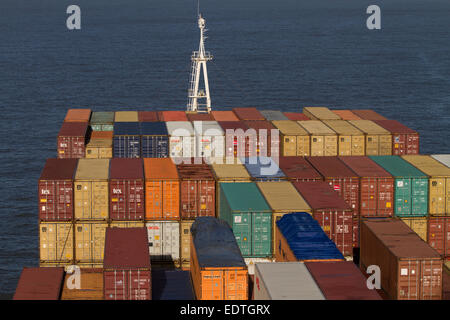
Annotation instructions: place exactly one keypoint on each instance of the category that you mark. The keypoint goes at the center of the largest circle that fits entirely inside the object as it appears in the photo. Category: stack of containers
(210, 139)
(296, 116)
(294, 139)
(267, 137)
(346, 114)
(320, 113)
(91, 213)
(368, 114)
(237, 139)
(299, 169)
(72, 138)
(148, 116)
(127, 140)
(154, 140)
(378, 140)
(323, 140)
(162, 210)
(127, 268)
(167, 116)
(181, 139)
(333, 214)
(224, 116)
(91, 285)
(404, 139)
(351, 141)
(100, 145)
(250, 217)
(272, 115)
(218, 270)
(39, 284)
(102, 121)
(263, 169)
(56, 207)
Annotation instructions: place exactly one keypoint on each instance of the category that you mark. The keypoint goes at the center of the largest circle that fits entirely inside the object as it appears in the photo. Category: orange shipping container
(162, 189)
(78, 115)
(346, 114)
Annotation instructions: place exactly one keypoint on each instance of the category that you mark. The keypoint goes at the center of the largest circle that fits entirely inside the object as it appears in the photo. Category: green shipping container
(102, 121)
(411, 186)
(245, 209)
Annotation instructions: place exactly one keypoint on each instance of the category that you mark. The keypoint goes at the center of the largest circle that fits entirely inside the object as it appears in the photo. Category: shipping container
(294, 139)
(263, 169)
(267, 137)
(167, 116)
(299, 237)
(148, 116)
(185, 243)
(164, 241)
(250, 262)
(404, 139)
(154, 140)
(243, 206)
(224, 116)
(419, 225)
(91, 192)
(127, 268)
(181, 139)
(248, 114)
(172, 285)
(351, 141)
(378, 140)
(442, 158)
(368, 114)
(78, 115)
(218, 270)
(55, 190)
(90, 242)
(438, 185)
(72, 138)
(127, 224)
(296, 116)
(410, 184)
(162, 189)
(210, 139)
(102, 121)
(323, 140)
(341, 280)
(272, 115)
(197, 191)
(376, 189)
(99, 148)
(285, 281)
(56, 242)
(340, 177)
(126, 189)
(410, 268)
(439, 235)
(199, 116)
(39, 284)
(320, 113)
(299, 169)
(91, 285)
(127, 140)
(333, 214)
(446, 286)
(346, 114)
(126, 116)
(237, 139)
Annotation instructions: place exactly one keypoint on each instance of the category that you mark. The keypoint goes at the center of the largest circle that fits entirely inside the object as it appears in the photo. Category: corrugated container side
(91, 286)
(39, 284)
(439, 235)
(320, 113)
(72, 139)
(56, 242)
(404, 139)
(185, 243)
(164, 241)
(90, 242)
(154, 140)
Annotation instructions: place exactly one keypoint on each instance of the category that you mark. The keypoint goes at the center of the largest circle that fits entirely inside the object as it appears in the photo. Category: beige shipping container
(351, 141)
(185, 243)
(99, 149)
(419, 225)
(126, 116)
(56, 242)
(91, 189)
(323, 140)
(294, 139)
(377, 139)
(439, 183)
(90, 242)
(320, 113)
(127, 224)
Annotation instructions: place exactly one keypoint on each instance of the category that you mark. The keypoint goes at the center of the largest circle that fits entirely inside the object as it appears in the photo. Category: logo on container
(373, 282)
(45, 191)
(74, 281)
(117, 191)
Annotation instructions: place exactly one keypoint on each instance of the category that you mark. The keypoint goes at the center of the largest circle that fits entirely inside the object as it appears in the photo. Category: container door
(262, 234)
(64, 242)
(162, 147)
(118, 208)
(331, 147)
(47, 239)
(78, 148)
(324, 219)
(236, 285)
(98, 242)
(83, 200)
(100, 200)
(119, 147)
(175, 146)
(92, 152)
(408, 280)
(431, 280)
(153, 198)
(402, 197)
(134, 147)
(358, 145)
(64, 147)
(171, 241)
(185, 242)
(139, 286)
(243, 232)
(189, 199)
(369, 197)
(303, 145)
(171, 200)
(437, 195)
(212, 285)
(372, 145)
(437, 234)
(385, 145)
(317, 145)
(345, 145)
(419, 205)
(289, 144)
(398, 144)
(135, 200)
(342, 231)
(385, 188)
(154, 233)
(206, 198)
(83, 237)
(116, 284)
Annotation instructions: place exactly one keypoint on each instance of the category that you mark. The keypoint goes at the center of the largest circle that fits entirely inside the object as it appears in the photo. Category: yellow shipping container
(91, 189)
(99, 149)
(185, 239)
(419, 225)
(323, 140)
(320, 113)
(377, 139)
(295, 140)
(439, 182)
(127, 224)
(351, 141)
(126, 116)
(90, 242)
(56, 242)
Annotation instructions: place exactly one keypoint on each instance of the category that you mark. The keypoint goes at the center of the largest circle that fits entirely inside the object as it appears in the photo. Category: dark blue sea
(135, 55)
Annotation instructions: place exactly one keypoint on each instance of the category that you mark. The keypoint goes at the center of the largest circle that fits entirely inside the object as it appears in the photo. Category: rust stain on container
(39, 284)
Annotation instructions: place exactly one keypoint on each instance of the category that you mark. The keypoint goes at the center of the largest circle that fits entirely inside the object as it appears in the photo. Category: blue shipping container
(171, 285)
(263, 169)
(127, 140)
(154, 140)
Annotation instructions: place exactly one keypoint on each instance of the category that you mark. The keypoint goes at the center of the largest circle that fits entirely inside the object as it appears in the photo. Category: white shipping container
(442, 158)
(181, 139)
(163, 240)
(210, 139)
(285, 281)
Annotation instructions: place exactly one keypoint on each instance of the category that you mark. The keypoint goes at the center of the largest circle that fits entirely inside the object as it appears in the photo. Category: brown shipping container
(333, 214)
(173, 116)
(197, 191)
(126, 116)
(127, 269)
(72, 139)
(185, 245)
(162, 189)
(446, 286)
(404, 139)
(298, 169)
(148, 116)
(439, 235)
(199, 116)
(126, 189)
(346, 114)
(55, 190)
(378, 140)
(376, 188)
(237, 144)
(264, 145)
(248, 114)
(39, 284)
(224, 116)
(320, 113)
(294, 139)
(368, 114)
(323, 140)
(341, 280)
(296, 116)
(410, 268)
(91, 285)
(78, 115)
(343, 180)
(351, 141)
(56, 243)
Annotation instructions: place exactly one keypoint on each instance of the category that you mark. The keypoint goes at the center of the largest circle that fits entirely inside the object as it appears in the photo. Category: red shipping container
(224, 116)
(264, 135)
(298, 169)
(197, 190)
(248, 114)
(200, 117)
(404, 139)
(343, 180)
(368, 114)
(127, 269)
(78, 115)
(55, 190)
(236, 139)
(333, 214)
(126, 189)
(173, 116)
(296, 116)
(439, 235)
(72, 139)
(355, 233)
(148, 116)
(376, 189)
(40, 284)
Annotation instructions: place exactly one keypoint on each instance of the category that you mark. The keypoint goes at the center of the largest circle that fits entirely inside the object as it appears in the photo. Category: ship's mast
(199, 100)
